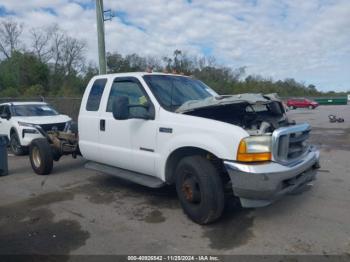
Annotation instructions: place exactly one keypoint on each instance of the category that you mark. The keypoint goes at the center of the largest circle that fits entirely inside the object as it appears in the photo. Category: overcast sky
(308, 40)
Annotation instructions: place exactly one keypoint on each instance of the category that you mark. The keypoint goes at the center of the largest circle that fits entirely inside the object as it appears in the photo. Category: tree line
(53, 63)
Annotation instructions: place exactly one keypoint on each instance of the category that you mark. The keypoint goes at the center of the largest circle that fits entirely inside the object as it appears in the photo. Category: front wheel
(40, 155)
(311, 107)
(15, 145)
(200, 189)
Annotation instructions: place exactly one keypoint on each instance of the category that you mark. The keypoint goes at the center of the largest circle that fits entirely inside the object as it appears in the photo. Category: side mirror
(139, 112)
(120, 108)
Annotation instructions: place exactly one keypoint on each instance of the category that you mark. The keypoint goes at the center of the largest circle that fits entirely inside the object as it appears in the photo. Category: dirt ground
(78, 211)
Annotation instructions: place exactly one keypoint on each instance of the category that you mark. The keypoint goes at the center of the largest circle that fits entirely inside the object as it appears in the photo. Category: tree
(54, 64)
(41, 38)
(10, 32)
(56, 47)
(115, 62)
(23, 70)
(177, 60)
(72, 58)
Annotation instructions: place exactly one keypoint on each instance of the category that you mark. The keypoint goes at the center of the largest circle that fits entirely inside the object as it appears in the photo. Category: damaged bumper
(261, 184)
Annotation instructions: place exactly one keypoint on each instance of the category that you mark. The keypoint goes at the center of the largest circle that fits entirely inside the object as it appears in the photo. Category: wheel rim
(191, 188)
(36, 157)
(15, 146)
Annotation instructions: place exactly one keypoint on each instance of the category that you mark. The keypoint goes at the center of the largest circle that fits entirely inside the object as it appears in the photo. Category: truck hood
(215, 101)
(41, 120)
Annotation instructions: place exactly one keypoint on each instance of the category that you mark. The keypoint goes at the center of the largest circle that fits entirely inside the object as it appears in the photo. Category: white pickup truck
(157, 129)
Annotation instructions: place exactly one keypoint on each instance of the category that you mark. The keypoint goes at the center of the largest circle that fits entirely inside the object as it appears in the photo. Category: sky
(308, 40)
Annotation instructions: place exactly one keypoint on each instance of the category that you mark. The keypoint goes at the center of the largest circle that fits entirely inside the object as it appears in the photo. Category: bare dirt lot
(77, 211)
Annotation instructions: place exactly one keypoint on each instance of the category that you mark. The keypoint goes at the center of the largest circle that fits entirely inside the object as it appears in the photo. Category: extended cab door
(129, 143)
(89, 120)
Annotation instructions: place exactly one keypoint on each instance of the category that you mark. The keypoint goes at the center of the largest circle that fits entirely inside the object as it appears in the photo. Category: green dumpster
(332, 101)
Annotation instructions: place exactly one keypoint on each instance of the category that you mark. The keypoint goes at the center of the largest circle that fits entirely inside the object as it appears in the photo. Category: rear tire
(40, 155)
(15, 145)
(200, 189)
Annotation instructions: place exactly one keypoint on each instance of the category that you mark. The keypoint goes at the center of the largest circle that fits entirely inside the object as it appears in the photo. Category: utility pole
(101, 37)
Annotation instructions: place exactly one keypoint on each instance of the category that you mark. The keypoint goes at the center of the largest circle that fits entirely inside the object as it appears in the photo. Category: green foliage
(34, 90)
(222, 79)
(9, 92)
(24, 74)
(21, 71)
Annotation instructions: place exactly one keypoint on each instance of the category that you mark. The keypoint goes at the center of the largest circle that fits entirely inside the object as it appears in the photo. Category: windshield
(33, 110)
(173, 91)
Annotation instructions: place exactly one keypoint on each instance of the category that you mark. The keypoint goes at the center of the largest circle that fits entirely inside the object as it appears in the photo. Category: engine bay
(256, 119)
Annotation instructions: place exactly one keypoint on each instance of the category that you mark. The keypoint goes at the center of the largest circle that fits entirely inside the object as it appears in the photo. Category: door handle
(102, 125)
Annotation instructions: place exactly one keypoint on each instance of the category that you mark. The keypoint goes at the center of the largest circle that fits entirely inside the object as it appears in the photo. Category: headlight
(24, 124)
(254, 149)
(29, 131)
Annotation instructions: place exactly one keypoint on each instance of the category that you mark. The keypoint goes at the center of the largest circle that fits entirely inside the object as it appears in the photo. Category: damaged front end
(275, 159)
(255, 113)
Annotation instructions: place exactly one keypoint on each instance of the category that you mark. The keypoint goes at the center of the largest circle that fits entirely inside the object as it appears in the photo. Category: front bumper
(259, 185)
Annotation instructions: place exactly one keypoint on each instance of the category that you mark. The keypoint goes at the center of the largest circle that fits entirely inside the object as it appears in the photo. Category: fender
(203, 141)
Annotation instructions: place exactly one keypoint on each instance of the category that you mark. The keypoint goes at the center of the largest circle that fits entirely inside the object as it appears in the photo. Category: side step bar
(137, 178)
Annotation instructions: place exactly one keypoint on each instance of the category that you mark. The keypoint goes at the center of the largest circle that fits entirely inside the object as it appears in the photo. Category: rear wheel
(200, 189)
(40, 155)
(15, 145)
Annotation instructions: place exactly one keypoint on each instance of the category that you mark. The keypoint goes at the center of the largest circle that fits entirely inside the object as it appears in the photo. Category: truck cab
(157, 129)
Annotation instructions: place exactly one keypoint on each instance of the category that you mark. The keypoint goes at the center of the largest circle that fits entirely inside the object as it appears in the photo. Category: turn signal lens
(254, 149)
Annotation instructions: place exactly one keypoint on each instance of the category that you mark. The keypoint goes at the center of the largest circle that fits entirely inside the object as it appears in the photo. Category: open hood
(256, 113)
(226, 100)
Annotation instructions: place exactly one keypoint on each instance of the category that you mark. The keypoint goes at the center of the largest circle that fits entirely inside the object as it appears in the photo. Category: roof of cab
(23, 103)
(135, 74)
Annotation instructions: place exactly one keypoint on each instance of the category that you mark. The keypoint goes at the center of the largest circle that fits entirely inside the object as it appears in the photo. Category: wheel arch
(13, 130)
(176, 155)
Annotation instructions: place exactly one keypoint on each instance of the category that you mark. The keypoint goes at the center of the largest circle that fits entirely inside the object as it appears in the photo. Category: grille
(57, 126)
(290, 143)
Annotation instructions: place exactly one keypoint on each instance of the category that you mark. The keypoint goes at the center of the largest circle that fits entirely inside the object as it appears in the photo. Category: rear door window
(94, 99)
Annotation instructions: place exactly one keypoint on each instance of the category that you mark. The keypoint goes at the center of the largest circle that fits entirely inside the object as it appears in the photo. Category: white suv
(17, 118)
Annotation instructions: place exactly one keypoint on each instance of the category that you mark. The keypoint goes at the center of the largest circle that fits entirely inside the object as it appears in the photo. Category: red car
(301, 103)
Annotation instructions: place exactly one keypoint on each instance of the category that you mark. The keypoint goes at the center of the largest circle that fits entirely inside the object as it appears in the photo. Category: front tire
(40, 155)
(200, 189)
(311, 107)
(15, 145)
